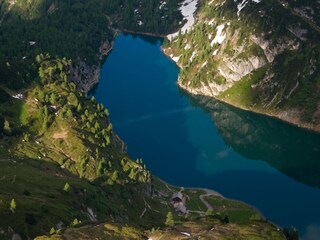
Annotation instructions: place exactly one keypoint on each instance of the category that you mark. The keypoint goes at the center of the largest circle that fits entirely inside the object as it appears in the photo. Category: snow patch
(187, 9)
(176, 59)
(219, 38)
(211, 23)
(162, 5)
(243, 4)
(204, 64)
(18, 96)
(192, 56)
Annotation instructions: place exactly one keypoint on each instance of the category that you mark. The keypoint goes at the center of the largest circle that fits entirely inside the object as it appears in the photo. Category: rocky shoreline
(291, 116)
(87, 76)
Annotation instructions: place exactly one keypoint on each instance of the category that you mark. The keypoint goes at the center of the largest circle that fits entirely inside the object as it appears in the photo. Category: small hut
(177, 197)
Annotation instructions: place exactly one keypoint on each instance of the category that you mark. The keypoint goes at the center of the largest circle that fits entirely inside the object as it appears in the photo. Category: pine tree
(69, 113)
(114, 176)
(53, 98)
(79, 108)
(169, 220)
(75, 222)
(99, 169)
(107, 138)
(13, 205)
(132, 174)
(6, 127)
(66, 187)
(52, 231)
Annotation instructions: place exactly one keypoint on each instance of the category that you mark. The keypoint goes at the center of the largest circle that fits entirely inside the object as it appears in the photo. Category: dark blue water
(200, 142)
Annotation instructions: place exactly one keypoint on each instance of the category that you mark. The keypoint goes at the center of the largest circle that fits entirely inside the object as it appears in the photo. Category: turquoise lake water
(200, 142)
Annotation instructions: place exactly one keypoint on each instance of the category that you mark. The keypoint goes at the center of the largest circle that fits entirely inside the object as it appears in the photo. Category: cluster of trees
(56, 97)
(75, 29)
(15, 74)
(148, 16)
(52, 70)
(136, 170)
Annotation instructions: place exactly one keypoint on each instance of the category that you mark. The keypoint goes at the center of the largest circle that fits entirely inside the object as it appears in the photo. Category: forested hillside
(82, 31)
(63, 28)
(257, 55)
(64, 172)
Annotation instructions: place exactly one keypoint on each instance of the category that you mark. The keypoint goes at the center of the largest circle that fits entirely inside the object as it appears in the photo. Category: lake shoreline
(143, 33)
(201, 139)
(211, 192)
(299, 124)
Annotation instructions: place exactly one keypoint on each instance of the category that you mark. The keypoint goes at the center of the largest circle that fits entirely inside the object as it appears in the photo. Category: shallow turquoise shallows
(200, 142)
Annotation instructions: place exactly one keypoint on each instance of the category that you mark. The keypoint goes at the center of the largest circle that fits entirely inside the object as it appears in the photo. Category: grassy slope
(245, 223)
(204, 227)
(241, 93)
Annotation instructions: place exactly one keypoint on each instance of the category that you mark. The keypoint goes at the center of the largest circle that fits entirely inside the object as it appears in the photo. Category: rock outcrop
(263, 57)
(86, 76)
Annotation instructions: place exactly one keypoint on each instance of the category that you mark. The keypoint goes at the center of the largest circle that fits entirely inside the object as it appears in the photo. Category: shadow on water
(152, 40)
(293, 151)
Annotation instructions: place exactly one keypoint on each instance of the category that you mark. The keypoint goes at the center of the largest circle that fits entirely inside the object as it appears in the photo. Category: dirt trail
(208, 205)
(60, 135)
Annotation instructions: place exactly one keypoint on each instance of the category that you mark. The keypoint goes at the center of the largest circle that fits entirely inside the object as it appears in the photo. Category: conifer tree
(13, 205)
(6, 127)
(66, 187)
(169, 220)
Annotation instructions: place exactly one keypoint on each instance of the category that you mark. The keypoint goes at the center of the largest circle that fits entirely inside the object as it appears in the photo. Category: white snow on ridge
(176, 59)
(243, 4)
(162, 5)
(18, 96)
(192, 56)
(204, 64)
(188, 9)
(219, 38)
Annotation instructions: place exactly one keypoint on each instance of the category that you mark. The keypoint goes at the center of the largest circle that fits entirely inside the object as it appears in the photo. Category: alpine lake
(201, 142)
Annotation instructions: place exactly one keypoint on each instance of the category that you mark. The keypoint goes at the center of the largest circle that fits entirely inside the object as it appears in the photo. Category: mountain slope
(63, 169)
(257, 55)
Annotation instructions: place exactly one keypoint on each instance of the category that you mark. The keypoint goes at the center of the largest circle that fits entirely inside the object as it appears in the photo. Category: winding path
(205, 202)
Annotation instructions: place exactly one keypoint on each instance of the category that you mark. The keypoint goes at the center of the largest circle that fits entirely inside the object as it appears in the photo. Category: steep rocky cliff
(84, 75)
(257, 55)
